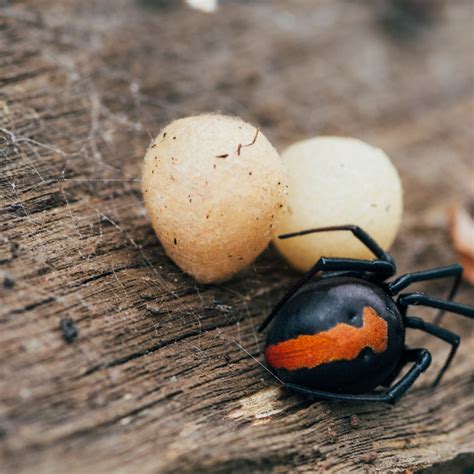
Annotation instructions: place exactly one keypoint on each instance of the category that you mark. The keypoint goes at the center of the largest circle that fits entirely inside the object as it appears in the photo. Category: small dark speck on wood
(14, 249)
(8, 283)
(69, 330)
(148, 295)
(224, 155)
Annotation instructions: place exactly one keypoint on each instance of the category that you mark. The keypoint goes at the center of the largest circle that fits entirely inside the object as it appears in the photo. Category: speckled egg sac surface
(213, 186)
(337, 181)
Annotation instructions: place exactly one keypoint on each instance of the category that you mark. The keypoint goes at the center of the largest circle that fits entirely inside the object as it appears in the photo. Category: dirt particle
(368, 458)
(68, 329)
(227, 358)
(175, 241)
(164, 134)
(147, 295)
(224, 155)
(14, 249)
(14, 208)
(154, 309)
(332, 435)
(355, 421)
(174, 138)
(8, 283)
(250, 173)
(154, 145)
(44, 269)
(240, 146)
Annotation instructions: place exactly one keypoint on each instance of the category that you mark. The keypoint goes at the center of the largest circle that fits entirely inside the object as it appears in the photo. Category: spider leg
(420, 299)
(381, 267)
(359, 233)
(441, 333)
(403, 281)
(422, 359)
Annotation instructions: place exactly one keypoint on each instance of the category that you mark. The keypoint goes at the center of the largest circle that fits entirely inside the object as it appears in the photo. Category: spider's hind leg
(441, 333)
(421, 359)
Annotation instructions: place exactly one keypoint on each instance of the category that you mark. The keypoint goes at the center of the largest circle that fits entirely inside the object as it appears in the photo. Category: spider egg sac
(213, 186)
(337, 181)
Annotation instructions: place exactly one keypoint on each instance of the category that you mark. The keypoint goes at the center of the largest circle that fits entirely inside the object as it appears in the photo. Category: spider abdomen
(340, 334)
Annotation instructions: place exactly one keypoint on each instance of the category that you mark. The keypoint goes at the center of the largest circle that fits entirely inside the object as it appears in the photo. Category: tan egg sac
(213, 186)
(337, 181)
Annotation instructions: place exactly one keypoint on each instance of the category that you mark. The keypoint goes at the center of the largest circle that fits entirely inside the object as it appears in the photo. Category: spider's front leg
(419, 299)
(451, 271)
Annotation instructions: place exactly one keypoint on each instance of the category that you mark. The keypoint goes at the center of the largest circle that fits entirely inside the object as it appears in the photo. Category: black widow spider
(343, 335)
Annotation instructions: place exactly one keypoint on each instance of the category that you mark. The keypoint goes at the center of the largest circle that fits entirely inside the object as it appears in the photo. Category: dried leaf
(461, 226)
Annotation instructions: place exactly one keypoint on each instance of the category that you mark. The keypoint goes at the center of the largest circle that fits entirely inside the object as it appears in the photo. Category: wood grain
(166, 375)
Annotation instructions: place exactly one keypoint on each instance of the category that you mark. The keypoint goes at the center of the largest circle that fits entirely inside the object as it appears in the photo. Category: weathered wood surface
(165, 375)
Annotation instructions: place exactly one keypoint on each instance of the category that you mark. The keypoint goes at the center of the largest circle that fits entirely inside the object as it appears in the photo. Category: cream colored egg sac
(213, 186)
(337, 181)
